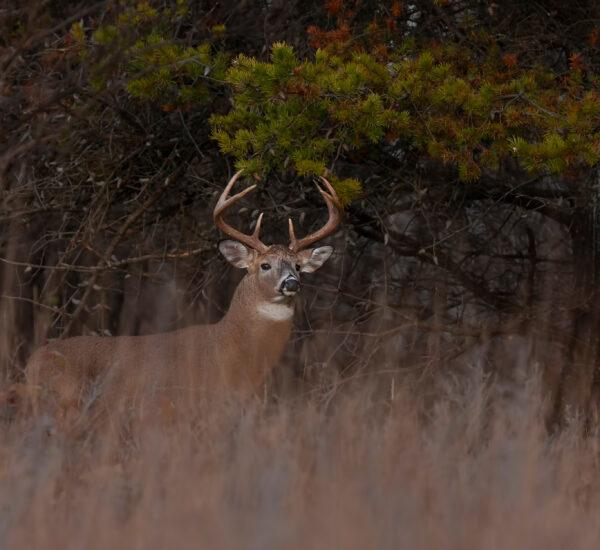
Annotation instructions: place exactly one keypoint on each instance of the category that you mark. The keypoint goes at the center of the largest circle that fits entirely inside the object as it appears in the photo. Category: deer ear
(236, 253)
(313, 258)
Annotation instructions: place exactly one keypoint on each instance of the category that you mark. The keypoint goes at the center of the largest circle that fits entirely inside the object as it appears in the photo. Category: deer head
(275, 270)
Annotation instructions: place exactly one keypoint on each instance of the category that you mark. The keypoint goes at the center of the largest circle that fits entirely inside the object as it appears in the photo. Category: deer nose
(291, 284)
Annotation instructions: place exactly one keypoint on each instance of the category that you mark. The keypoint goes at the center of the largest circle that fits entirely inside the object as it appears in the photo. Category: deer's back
(109, 368)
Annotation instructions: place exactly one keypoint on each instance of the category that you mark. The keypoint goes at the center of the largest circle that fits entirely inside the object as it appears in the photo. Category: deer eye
(265, 267)
(297, 267)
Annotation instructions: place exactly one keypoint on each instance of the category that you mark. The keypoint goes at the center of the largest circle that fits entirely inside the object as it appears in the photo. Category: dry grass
(474, 467)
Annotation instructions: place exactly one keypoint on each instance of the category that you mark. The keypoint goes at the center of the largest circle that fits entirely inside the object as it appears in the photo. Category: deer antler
(334, 208)
(223, 203)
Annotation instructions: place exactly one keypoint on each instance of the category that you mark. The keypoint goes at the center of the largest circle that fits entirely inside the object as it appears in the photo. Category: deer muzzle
(290, 286)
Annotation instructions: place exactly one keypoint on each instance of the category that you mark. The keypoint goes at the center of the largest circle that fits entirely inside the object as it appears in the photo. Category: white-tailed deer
(232, 356)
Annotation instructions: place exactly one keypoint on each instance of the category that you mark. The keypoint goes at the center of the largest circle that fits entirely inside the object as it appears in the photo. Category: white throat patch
(275, 311)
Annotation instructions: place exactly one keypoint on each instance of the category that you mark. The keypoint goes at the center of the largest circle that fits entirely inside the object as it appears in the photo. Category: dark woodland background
(106, 208)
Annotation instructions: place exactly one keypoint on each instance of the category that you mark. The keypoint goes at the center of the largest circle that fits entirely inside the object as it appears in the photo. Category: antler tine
(225, 202)
(257, 228)
(334, 208)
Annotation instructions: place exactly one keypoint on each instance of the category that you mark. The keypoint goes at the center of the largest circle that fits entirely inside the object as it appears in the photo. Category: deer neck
(257, 331)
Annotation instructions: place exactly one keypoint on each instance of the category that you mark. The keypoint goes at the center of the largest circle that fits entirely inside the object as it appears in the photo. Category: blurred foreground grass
(472, 467)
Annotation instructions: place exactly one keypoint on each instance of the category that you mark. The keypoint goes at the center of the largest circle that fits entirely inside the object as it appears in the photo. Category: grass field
(471, 466)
